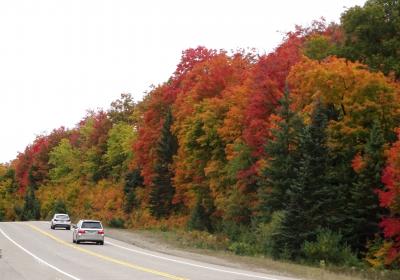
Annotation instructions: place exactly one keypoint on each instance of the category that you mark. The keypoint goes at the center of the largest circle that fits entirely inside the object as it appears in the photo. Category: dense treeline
(294, 154)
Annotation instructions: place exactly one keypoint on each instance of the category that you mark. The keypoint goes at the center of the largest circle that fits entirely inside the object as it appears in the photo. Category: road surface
(31, 250)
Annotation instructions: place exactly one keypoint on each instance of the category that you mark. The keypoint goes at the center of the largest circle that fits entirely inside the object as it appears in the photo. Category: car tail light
(81, 231)
(101, 231)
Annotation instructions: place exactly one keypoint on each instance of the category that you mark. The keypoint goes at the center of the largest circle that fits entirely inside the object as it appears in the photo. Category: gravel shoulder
(158, 241)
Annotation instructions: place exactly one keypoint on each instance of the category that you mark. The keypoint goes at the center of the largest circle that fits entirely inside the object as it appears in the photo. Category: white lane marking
(37, 258)
(195, 265)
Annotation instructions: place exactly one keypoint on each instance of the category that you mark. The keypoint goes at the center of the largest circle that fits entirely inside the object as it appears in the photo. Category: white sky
(60, 58)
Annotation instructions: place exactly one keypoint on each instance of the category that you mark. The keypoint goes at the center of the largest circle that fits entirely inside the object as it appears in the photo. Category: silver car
(88, 230)
(60, 220)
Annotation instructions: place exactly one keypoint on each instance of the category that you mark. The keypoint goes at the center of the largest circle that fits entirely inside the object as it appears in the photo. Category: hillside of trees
(294, 154)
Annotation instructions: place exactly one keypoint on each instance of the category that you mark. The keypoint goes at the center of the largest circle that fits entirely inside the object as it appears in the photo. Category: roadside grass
(218, 245)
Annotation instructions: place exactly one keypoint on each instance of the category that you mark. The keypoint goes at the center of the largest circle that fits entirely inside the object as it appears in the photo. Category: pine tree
(340, 177)
(282, 159)
(198, 218)
(364, 211)
(308, 193)
(31, 207)
(162, 189)
(133, 180)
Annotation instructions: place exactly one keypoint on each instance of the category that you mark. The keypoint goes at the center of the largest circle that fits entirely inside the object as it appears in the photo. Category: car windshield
(62, 217)
(91, 225)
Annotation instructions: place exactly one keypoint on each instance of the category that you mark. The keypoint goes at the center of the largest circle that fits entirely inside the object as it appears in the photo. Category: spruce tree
(282, 159)
(133, 180)
(31, 207)
(198, 218)
(364, 211)
(162, 189)
(307, 199)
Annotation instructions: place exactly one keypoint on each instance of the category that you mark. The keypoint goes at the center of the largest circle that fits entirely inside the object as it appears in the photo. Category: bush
(266, 233)
(328, 249)
(203, 240)
(242, 248)
(244, 240)
(117, 223)
(233, 230)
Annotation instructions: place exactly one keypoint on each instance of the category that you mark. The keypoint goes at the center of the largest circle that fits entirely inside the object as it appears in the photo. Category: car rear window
(91, 225)
(62, 217)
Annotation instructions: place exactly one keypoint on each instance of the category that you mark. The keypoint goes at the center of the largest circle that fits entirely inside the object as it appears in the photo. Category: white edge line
(192, 264)
(37, 258)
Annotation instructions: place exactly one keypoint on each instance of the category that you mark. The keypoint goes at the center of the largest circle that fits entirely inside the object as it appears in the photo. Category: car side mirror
(74, 226)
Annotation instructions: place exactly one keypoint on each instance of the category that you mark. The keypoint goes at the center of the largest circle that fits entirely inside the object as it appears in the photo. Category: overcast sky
(61, 58)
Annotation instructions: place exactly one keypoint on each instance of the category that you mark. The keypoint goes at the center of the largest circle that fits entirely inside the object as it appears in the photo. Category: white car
(61, 220)
(88, 231)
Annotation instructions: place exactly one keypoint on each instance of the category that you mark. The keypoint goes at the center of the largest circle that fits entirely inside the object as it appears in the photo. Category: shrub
(244, 240)
(242, 248)
(328, 248)
(117, 223)
(266, 233)
(232, 230)
(203, 239)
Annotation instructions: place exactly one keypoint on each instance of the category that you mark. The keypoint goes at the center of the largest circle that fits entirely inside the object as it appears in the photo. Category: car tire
(101, 242)
(77, 241)
(73, 240)
(52, 227)
(68, 228)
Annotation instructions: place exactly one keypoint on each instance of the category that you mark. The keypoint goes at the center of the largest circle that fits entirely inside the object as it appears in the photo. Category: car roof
(93, 221)
(60, 214)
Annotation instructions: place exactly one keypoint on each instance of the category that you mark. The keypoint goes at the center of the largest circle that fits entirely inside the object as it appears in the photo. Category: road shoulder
(157, 241)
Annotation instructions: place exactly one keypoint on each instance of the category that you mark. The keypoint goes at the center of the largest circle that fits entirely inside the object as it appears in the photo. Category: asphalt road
(31, 250)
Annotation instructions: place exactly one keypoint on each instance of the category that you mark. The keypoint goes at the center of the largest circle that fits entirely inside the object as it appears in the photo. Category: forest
(293, 154)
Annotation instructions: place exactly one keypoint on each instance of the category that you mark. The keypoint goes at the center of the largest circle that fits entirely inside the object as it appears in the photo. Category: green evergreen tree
(309, 191)
(282, 159)
(364, 211)
(162, 189)
(200, 217)
(133, 180)
(31, 207)
(340, 176)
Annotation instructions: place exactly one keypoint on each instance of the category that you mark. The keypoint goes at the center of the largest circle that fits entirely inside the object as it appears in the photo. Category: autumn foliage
(390, 199)
(207, 150)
